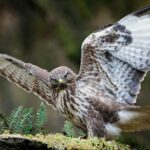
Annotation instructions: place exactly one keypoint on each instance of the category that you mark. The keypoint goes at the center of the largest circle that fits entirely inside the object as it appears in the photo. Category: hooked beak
(61, 81)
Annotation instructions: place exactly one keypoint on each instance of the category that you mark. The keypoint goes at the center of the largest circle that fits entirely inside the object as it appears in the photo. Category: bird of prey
(101, 98)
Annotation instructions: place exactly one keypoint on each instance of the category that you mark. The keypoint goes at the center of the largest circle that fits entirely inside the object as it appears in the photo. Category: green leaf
(26, 120)
(14, 119)
(68, 129)
(20, 120)
(41, 117)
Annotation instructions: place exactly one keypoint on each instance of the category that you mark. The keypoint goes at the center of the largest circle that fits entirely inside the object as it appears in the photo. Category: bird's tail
(135, 119)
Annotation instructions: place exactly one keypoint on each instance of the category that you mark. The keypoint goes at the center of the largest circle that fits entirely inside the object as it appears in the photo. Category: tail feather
(135, 119)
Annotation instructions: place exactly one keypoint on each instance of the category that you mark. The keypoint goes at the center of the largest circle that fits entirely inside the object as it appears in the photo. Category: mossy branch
(60, 142)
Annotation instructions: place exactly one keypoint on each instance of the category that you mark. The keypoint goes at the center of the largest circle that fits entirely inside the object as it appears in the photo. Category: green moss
(60, 142)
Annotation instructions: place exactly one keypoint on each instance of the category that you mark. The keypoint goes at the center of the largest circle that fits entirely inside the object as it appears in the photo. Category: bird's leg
(95, 127)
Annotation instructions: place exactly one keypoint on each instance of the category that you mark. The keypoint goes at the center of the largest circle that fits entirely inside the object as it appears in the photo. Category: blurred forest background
(49, 33)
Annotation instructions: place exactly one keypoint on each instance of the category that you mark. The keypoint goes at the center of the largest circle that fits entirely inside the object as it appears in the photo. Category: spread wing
(116, 58)
(30, 77)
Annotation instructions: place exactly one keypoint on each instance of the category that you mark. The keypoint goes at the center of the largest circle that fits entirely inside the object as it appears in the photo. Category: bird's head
(61, 78)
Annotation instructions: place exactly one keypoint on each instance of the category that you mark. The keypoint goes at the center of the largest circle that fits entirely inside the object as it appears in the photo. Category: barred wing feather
(26, 76)
(121, 55)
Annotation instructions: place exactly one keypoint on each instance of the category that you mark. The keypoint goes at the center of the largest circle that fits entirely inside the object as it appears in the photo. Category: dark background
(49, 33)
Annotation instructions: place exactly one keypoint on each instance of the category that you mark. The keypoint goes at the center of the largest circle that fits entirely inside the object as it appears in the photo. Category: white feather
(112, 129)
(125, 116)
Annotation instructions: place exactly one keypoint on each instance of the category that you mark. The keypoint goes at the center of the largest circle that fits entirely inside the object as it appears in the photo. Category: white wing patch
(126, 80)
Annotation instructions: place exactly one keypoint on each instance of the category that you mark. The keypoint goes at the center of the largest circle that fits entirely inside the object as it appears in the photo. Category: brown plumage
(100, 99)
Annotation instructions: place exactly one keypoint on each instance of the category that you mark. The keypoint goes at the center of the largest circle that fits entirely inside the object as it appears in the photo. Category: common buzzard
(100, 99)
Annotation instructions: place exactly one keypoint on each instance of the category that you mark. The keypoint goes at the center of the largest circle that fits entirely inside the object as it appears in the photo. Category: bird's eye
(65, 76)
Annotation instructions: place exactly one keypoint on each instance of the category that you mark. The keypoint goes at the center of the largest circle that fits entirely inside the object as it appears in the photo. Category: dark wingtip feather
(12, 60)
(142, 11)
